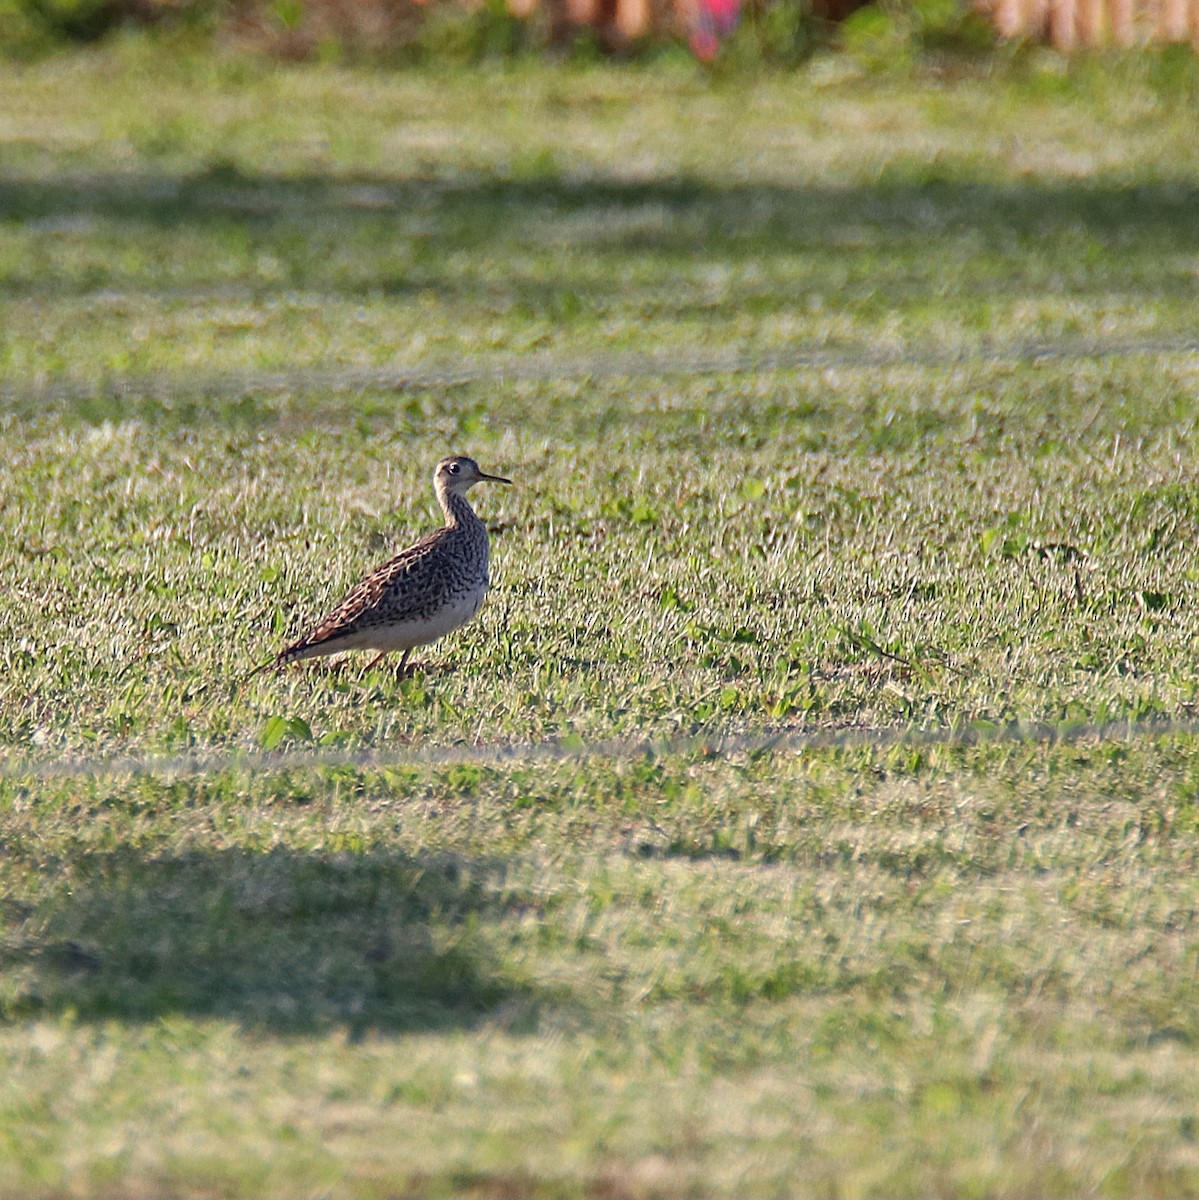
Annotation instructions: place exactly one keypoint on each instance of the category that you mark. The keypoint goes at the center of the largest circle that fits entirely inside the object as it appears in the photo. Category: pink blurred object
(704, 44)
(714, 20)
(724, 14)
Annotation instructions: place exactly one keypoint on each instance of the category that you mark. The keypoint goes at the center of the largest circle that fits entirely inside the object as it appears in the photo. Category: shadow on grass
(282, 942)
(385, 234)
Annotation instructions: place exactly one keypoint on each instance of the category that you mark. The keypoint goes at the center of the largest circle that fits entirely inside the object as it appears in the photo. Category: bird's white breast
(420, 631)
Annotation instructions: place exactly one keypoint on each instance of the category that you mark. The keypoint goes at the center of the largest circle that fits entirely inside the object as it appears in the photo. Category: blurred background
(771, 31)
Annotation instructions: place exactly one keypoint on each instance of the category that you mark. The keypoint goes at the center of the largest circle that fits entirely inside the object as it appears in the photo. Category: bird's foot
(403, 670)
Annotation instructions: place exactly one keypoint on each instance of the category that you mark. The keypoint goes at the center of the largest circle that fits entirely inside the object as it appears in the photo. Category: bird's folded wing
(409, 565)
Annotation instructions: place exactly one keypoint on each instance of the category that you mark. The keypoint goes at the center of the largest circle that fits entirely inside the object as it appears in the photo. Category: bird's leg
(374, 662)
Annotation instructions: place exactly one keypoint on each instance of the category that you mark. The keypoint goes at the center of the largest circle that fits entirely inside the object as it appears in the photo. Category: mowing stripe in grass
(542, 367)
(716, 744)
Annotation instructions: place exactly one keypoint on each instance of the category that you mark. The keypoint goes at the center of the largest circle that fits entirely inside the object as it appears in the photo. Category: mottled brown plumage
(420, 595)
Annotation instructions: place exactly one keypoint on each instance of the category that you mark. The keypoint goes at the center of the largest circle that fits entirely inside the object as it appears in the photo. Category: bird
(420, 595)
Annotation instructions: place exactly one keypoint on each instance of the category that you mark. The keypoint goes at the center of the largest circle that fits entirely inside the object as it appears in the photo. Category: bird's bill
(493, 478)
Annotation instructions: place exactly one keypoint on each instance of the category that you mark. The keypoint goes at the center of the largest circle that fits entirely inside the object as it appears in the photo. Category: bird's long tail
(277, 661)
(289, 654)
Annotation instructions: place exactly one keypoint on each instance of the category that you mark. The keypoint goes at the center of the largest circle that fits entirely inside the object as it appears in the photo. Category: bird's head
(459, 474)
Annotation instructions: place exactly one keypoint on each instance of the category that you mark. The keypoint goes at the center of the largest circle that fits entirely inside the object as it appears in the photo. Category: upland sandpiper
(420, 595)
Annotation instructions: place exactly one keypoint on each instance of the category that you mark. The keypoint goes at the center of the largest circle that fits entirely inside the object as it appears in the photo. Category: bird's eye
(453, 468)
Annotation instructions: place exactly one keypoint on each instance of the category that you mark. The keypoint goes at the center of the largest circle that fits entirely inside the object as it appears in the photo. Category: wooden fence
(1087, 24)
(1067, 25)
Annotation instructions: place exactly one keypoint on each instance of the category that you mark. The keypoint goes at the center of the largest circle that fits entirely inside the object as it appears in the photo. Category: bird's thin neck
(457, 509)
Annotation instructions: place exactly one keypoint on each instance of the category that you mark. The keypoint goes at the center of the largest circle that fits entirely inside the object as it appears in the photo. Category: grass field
(518, 925)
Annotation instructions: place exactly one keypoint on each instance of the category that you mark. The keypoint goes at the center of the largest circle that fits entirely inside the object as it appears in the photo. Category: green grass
(635, 968)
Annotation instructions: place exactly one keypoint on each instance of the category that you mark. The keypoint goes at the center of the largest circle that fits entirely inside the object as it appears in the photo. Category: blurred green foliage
(885, 35)
(882, 37)
(452, 32)
(893, 34)
(29, 28)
